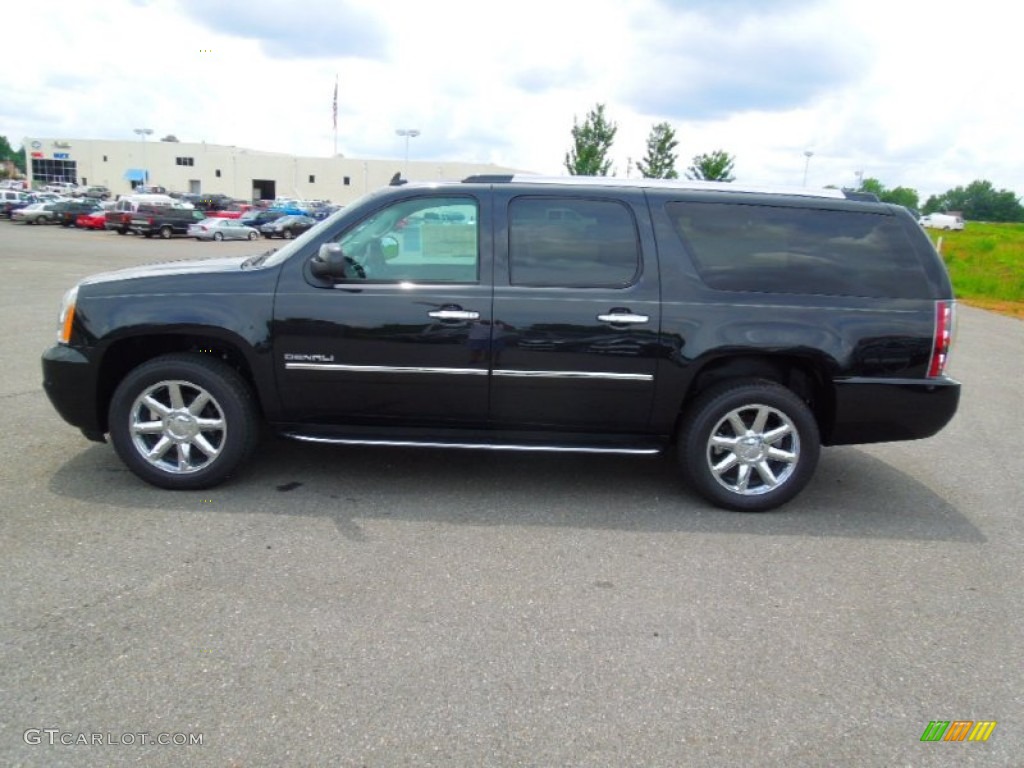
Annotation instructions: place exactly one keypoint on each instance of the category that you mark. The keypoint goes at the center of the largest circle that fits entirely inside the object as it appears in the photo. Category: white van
(941, 221)
(131, 203)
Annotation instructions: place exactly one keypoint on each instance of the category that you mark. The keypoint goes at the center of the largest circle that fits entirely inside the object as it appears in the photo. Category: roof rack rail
(489, 178)
(867, 197)
(610, 181)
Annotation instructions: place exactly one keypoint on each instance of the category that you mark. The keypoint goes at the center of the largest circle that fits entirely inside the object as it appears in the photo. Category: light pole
(807, 163)
(409, 133)
(143, 133)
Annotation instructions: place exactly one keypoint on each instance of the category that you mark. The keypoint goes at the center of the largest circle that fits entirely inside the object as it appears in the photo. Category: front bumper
(70, 383)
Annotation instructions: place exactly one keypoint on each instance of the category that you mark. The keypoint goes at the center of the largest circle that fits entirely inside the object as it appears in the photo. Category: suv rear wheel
(183, 421)
(749, 446)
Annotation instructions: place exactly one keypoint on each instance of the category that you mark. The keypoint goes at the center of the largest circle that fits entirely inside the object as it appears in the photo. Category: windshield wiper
(255, 261)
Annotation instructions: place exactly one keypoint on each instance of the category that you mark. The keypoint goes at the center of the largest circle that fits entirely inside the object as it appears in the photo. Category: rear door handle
(454, 314)
(623, 317)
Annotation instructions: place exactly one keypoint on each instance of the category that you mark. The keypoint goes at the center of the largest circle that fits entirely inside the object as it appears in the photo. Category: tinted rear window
(767, 249)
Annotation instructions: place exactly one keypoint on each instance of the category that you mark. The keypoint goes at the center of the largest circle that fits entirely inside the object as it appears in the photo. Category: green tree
(714, 167)
(904, 196)
(591, 143)
(978, 201)
(660, 160)
(8, 153)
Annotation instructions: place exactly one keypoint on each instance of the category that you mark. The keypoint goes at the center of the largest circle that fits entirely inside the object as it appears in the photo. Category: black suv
(745, 327)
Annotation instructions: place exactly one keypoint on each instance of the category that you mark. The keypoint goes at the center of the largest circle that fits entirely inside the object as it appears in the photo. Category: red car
(233, 212)
(94, 220)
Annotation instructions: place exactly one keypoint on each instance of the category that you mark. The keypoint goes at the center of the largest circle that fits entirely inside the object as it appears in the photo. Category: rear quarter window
(774, 249)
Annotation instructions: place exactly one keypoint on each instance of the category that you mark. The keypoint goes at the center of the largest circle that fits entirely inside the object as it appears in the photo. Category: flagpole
(335, 115)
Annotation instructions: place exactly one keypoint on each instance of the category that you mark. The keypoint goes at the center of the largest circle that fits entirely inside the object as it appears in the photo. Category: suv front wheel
(749, 446)
(183, 421)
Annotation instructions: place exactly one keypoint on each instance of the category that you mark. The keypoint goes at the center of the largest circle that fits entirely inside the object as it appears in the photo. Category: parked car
(36, 213)
(126, 206)
(96, 191)
(744, 327)
(65, 188)
(288, 226)
(48, 197)
(163, 220)
(68, 210)
(11, 199)
(257, 219)
(94, 220)
(288, 209)
(222, 229)
(208, 202)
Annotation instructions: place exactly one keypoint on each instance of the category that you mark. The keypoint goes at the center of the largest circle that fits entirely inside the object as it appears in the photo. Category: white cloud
(912, 93)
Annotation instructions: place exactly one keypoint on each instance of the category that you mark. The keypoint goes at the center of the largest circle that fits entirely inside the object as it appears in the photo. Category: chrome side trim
(382, 369)
(600, 375)
(471, 446)
(504, 372)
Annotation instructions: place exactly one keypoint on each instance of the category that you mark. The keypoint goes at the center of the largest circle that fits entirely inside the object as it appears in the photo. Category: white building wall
(231, 170)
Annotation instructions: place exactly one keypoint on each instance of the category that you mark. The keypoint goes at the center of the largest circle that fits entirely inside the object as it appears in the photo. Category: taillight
(943, 337)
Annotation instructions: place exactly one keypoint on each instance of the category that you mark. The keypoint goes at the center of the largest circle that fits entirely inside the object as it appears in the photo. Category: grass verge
(986, 264)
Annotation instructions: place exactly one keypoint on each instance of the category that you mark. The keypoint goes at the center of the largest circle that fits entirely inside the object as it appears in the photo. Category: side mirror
(331, 263)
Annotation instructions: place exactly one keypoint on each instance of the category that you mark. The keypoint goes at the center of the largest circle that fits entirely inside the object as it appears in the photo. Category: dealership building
(245, 174)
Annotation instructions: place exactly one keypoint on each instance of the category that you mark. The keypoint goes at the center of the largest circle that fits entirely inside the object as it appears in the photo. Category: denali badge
(291, 357)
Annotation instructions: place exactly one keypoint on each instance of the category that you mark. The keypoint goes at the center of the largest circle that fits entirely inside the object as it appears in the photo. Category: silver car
(36, 213)
(222, 229)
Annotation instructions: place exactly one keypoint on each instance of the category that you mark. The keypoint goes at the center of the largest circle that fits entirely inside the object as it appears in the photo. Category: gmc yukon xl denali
(745, 328)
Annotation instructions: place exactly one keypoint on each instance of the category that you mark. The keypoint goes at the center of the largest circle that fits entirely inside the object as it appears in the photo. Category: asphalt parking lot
(358, 607)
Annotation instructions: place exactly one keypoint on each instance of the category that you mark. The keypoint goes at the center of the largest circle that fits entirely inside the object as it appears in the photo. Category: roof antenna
(397, 180)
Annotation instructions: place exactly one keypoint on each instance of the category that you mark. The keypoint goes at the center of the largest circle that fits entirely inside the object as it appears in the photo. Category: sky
(923, 94)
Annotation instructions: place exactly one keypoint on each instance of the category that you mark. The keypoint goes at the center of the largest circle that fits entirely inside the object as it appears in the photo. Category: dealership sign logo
(958, 730)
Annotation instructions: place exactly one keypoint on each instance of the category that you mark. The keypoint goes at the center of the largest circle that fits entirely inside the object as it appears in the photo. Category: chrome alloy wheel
(177, 427)
(753, 449)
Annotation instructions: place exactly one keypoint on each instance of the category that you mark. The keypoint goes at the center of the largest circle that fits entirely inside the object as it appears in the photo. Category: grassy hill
(986, 265)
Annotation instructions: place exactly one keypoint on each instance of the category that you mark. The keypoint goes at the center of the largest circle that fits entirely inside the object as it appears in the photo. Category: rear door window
(566, 242)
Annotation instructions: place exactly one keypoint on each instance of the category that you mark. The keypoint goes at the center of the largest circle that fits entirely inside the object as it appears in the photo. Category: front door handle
(623, 317)
(454, 314)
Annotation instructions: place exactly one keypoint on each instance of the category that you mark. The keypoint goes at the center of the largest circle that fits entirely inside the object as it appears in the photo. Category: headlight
(67, 316)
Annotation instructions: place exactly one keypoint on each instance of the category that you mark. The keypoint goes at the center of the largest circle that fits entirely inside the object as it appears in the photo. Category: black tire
(254, 236)
(287, 234)
(218, 236)
(226, 424)
(166, 232)
(122, 231)
(783, 447)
